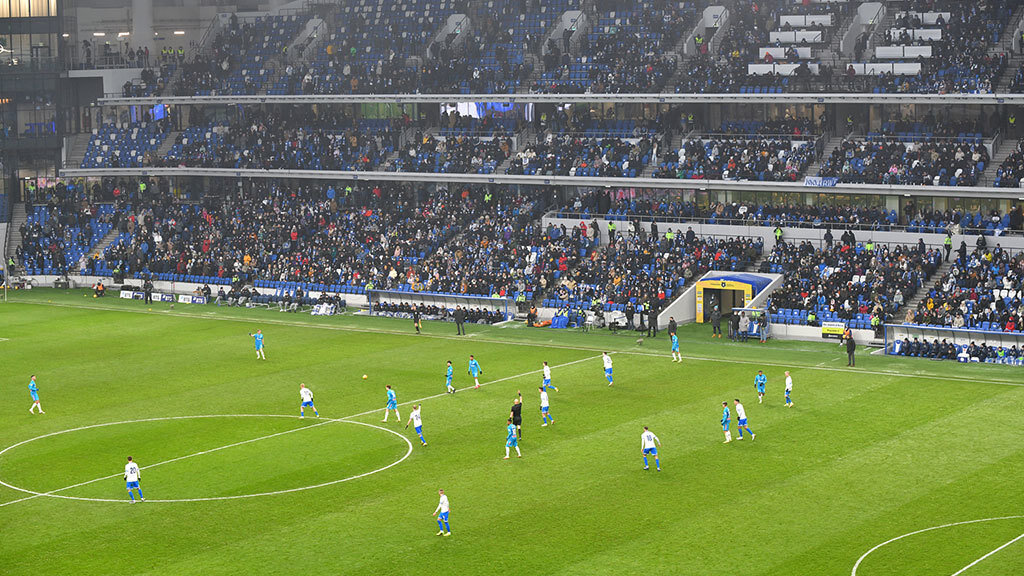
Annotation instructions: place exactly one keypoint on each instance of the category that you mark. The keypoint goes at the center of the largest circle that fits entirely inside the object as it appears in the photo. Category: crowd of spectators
(962, 60)
(462, 71)
(648, 268)
(723, 158)
(366, 49)
(848, 281)
(751, 22)
(285, 137)
(1010, 173)
(452, 122)
(569, 155)
(337, 75)
(370, 48)
(891, 161)
(626, 52)
(502, 253)
(237, 61)
(453, 154)
(151, 81)
(62, 226)
(706, 74)
(492, 59)
(293, 233)
(983, 290)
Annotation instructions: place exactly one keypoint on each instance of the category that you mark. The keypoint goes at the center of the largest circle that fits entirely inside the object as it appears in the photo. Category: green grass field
(866, 455)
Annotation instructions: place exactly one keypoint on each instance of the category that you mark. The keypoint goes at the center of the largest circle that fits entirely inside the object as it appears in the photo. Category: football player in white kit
(131, 478)
(648, 445)
(789, 390)
(545, 408)
(307, 400)
(741, 419)
(442, 515)
(417, 423)
(547, 378)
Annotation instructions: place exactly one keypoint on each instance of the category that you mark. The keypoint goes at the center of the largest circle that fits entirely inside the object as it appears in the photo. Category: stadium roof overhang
(833, 98)
(590, 182)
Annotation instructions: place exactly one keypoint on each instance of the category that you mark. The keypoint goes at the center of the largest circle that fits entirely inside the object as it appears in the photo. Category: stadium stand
(846, 281)
(1010, 173)
(957, 162)
(237, 62)
(124, 146)
(62, 227)
(453, 154)
(983, 290)
(573, 156)
(368, 49)
(768, 46)
(285, 138)
(641, 269)
(726, 158)
(627, 50)
(501, 253)
(953, 43)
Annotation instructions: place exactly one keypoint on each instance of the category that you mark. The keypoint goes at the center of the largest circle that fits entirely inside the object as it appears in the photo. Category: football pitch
(896, 467)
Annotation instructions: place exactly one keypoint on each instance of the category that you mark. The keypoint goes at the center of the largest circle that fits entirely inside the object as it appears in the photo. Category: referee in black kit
(416, 317)
(517, 415)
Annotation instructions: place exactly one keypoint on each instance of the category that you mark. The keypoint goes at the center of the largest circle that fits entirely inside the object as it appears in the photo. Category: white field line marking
(408, 453)
(891, 540)
(205, 316)
(505, 379)
(53, 493)
(964, 569)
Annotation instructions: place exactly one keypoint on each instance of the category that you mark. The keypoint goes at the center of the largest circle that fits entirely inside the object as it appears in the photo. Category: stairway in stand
(988, 177)
(77, 145)
(18, 218)
(1005, 45)
(923, 292)
(830, 146)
